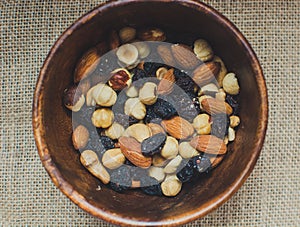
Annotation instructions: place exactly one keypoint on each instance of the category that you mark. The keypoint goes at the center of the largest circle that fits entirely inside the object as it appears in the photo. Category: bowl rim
(77, 198)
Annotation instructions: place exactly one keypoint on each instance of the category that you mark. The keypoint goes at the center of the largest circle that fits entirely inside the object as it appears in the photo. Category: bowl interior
(53, 126)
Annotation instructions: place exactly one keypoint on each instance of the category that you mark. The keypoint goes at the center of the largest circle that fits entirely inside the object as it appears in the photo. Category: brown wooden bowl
(53, 127)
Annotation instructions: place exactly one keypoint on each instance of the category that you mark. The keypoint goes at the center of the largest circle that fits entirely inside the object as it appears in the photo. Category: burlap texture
(270, 196)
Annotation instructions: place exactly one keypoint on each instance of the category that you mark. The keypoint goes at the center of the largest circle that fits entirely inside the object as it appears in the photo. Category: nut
(187, 151)
(86, 65)
(135, 108)
(120, 78)
(166, 84)
(148, 94)
(184, 56)
(159, 161)
(132, 151)
(203, 50)
(84, 86)
(215, 106)
(202, 124)
(113, 158)
(230, 84)
(157, 173)
(231, 134)
(160, 72)
(170, 149)
(73, 98)
(152, 34)
(143, 49)
(80, 137)
(155, 128)
(127, 34)
(205, 73)
(209, 144)
(234, 121)
(171, 167)
(208, 89)
(115, 131)
(89, 160)
(138, 131)
(171, 187)
(221, 95)
(201, 98)
(102, 118)
(102, 95)
(132, 92)
(178, 127)
(216, 160)
(127, 54)
(166, 55)
(222, 72)
(114, 41)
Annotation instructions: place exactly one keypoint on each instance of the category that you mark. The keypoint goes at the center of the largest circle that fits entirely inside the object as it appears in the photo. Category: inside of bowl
(181, 18)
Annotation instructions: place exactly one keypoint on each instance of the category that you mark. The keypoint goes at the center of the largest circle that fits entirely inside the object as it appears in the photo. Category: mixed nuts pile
(151, 114)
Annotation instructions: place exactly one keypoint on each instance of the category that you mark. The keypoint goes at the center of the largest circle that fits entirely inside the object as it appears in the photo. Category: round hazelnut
(132, 92)
(157, 173)
(203, 50)
(127, 54)
(127, 34)
(135, 108)
(186, 150)
(102, 95)
(234, 121)
(143, 49)
(160, 72)
(170, 149)
(230, 84)
(171, 187)
(171, 167)
(120, 78)
(102, 118)
(222, 72)
(231, 134)
(115, 131)
(73, 98)
(148, 93)
(159, 161)
(113, 158)
(138, 131)
(202, 124)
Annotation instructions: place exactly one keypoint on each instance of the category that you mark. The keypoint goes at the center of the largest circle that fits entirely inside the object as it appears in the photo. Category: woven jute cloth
(270, 196)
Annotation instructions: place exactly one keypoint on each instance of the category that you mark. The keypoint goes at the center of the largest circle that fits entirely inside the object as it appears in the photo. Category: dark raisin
(201, 164)
(233, 102)
(151, 116)
(186, 173)
(153, 144)
(197, 104)
(220, 124)
(120, 179)
(138, 74)
(125, 120)
(150, 186)
(99, 144)
(164, 109)
(187, 84)
(151, 67)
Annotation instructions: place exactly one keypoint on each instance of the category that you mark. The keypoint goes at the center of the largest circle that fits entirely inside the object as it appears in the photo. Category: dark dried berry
(179, 73)
(138, 74)
(220, 124)
(99, 144)
(125, 120)
(120, 179)
(187, 172)
(150, 186)
(164, 109)
(187, 84)
(118, 187)
(151, 67)
(233, 102)
(153, 144)
(151, 116)
(201, 164)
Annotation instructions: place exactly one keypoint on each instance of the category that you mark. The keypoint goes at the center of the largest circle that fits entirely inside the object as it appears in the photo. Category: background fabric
(270, 196)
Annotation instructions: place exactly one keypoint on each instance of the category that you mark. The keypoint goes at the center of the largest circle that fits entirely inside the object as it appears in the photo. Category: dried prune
(120, 179)
(233, 102)
(125, 120)
(153, 144)
(138, 74)
(151, 116)
(150, 186)
(99, 144)
(187, 84)
(164, 109)
(187, 172)
(201, 163)
(220, 124)
(151, 67)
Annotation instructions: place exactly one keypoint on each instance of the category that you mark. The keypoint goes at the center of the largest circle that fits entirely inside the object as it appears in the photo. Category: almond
(216, 160)
(80, 137)
(166, 55)
(133, 152)
(155, 128)
(166, 84)
(184, 56)
(205, 73)
(215, 106)
(178, 127)
(209, 144)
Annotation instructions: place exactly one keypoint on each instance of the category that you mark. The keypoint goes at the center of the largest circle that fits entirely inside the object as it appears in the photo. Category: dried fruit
(206, 73)
(178, 127)
(233, 102)
(153, 144)
(163, 109)
(150, 186)
(120, 179)
(184, 56)
(187, 172)
(209, 144)
(220, 124)
(166, 84)
(202, 163)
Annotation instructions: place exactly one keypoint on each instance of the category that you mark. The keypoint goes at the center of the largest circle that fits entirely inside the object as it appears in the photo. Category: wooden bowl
(53, 126)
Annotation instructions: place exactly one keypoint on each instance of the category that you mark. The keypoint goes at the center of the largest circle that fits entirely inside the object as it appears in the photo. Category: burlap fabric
(271, 195)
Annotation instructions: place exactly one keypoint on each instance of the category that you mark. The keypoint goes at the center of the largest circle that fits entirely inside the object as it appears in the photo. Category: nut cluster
(154, 126)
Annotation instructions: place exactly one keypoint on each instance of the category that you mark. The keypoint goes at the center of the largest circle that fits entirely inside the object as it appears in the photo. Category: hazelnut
(231, 134)
(102, 95)
(202, 124)
(120, 78)
(222, 72)
(159, 161)
(148, 94)
(80, 137)
(208, 88)
(113, 158)
(160, 72)
(234, 121)
(221, 95)
(138, 131)
(157, 173)
(73, 98)
(89, 160)
(132, 92)
(186, 150)
(143, 49)
(170, 149)
(155, 128)
(203, 50)
(171, 187)
(115, 131)
(230, 84)
(171, 167)
(127, 54)
(127, 34)
(135, 108)
(102, 118)
(152, 34)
